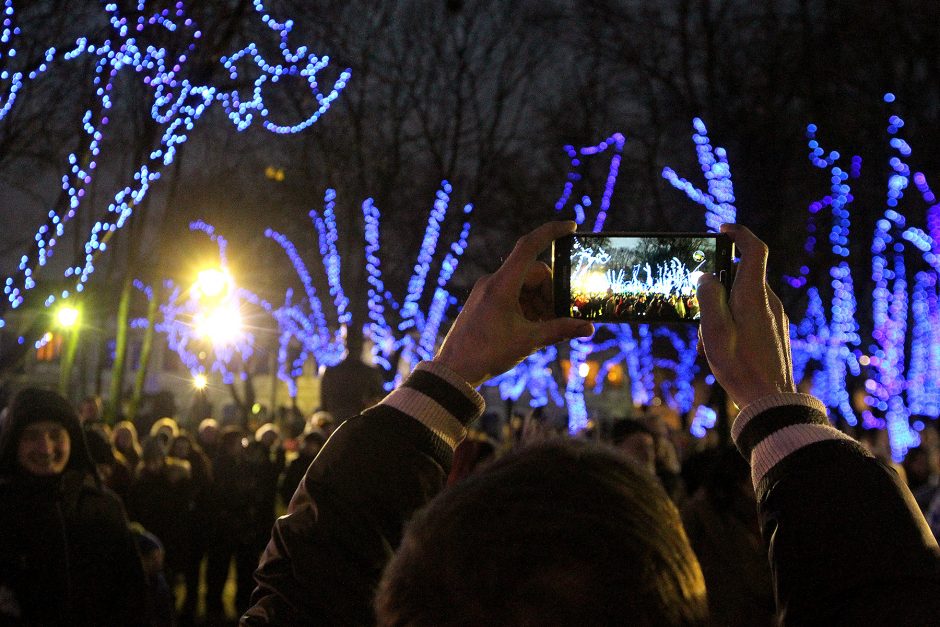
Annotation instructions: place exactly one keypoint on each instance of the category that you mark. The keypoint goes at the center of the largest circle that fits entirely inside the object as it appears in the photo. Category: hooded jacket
(66, 554)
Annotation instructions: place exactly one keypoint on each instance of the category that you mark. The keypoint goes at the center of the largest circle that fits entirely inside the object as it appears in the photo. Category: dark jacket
(66, 554)
(846, 540)
(847, 544)
(326, 555)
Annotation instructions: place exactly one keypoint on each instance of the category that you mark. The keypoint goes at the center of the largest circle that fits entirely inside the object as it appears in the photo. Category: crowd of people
(634, 306)
(406, 516)
(198, 504)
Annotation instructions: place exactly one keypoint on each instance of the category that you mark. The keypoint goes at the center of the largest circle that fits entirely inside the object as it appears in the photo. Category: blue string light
(704, 419)
(832, 344)
(719, 199)
(574, 390)
(614, 144)
(890, 308)
(178, 104)
(534, 376)
(415, 335)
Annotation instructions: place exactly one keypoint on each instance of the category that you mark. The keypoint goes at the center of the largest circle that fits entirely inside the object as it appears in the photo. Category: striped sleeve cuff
(774, 448)
(439, 399)
(771, 428)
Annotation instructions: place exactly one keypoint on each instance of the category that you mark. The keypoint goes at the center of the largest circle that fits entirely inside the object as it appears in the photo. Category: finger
(529, 247)
(537, 277)
(751, 274)
(717, 323)
(561, 329)
(536, 295)
(783, 323)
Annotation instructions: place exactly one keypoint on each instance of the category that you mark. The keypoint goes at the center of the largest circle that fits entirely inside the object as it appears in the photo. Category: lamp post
(67, 319)
(216, 325)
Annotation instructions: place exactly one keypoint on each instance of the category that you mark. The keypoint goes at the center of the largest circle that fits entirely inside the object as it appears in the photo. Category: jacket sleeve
(326, 556)
(846, 541)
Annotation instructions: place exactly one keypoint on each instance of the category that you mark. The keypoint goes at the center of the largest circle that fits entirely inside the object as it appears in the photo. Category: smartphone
(636, 277)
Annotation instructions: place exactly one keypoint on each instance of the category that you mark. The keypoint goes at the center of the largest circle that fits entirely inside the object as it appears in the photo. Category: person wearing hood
(66, 554)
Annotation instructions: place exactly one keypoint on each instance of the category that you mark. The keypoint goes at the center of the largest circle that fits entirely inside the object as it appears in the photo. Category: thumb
(717, 323)
(560, 329)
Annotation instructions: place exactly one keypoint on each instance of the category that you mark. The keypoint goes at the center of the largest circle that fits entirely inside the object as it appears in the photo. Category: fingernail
(585, 329)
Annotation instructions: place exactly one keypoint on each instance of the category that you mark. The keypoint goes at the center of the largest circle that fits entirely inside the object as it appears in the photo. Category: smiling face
(44, 448)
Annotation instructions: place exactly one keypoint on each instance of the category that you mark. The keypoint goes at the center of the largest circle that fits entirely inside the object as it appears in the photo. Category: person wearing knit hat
(43, 436)
(66, 555)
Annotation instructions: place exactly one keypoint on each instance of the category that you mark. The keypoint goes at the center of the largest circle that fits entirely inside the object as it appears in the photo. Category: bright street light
(66, 316)
(200, 382)
(212, 282)
(221, 325)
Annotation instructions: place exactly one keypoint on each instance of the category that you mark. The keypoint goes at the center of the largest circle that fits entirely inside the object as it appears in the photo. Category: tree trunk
(146, 350)
(120, 352)
(68, 361)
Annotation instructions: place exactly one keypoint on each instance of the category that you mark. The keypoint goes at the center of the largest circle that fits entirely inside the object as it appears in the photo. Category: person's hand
(746, 338)
(509, 314)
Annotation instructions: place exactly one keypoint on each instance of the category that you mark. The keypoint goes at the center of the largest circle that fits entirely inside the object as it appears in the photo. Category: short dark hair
(560, 533)
(625, 427)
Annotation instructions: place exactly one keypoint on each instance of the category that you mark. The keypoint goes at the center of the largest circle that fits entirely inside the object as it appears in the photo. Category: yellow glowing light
(273, 173)
(212, 282)
(221, 325)
(615, 375)
(864, 360)
(595, 283)
(256, 408)
(200, 382)
(67, 317)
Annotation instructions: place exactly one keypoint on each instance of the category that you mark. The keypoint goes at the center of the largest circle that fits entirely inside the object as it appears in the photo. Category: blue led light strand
(416, 333)
(719, 199)
(614, 144)
(178, 104)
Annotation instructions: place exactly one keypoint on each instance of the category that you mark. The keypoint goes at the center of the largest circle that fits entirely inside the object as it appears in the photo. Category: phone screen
(610, 277)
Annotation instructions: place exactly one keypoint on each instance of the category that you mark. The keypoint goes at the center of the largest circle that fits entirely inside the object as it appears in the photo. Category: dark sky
(483, 94)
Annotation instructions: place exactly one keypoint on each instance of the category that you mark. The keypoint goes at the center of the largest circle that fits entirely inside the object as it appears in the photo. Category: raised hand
(747, 337)
(509, 314)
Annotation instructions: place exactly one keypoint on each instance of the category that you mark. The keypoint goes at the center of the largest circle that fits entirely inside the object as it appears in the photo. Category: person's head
(89, 411)
(321, 421)
(232, 441)
(561, 533)
(268, 434)
(636, 441)
(101, 451)
(153, 458)
(182, 446)
(124, 437)
(917, 467)
(166, 429)
(208, 432)
(42, 436)
(312, 443)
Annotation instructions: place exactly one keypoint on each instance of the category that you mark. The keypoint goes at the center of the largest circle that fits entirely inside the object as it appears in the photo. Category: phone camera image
(644, 278)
